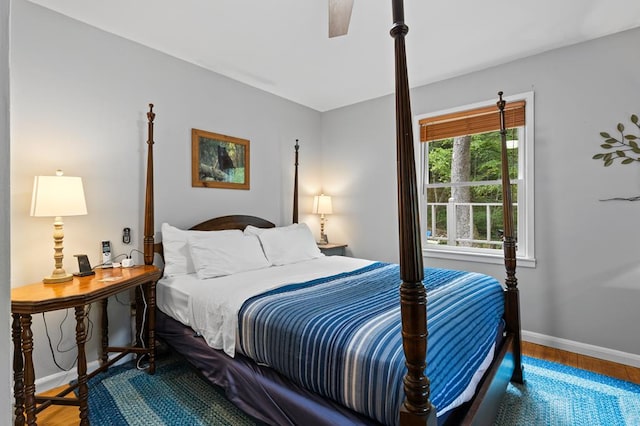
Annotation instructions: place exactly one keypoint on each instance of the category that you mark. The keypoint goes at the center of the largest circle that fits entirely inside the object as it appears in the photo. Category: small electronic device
(126, 236)
(106, 254)
(84, 266)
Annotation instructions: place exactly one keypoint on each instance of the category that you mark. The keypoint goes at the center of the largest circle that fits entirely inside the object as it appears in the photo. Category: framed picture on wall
(219, 161)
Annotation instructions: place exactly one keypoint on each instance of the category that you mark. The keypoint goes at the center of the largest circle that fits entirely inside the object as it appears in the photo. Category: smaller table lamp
(57, 196)
(322, 206)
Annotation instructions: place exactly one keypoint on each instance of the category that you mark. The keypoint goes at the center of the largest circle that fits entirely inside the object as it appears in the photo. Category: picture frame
(219, 161)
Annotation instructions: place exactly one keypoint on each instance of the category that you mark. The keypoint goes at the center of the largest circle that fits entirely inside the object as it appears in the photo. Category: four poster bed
(295, 337)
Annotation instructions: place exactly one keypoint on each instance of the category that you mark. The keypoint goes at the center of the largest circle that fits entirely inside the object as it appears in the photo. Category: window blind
(471, 122)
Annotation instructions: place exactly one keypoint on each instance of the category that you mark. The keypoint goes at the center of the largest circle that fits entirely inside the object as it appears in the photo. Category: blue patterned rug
(176, 395)
(558, 395)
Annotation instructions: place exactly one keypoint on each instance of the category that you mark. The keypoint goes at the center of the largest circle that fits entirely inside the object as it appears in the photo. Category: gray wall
(79, 99)
(585, 286)
(5, 390)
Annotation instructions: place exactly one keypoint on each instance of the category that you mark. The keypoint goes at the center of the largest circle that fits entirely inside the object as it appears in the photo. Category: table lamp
(58, 196)
(322, 206)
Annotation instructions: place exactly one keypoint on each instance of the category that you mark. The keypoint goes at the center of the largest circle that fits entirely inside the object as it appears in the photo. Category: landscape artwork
(219, 161)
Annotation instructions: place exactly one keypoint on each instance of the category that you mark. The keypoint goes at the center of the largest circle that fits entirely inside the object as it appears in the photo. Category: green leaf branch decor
(624, 150)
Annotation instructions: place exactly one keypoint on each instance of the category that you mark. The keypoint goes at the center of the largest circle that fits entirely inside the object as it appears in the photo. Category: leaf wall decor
(623, 148)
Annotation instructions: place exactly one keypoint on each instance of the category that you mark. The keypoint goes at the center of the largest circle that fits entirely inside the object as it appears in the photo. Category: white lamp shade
(55, 196)
(322, 204)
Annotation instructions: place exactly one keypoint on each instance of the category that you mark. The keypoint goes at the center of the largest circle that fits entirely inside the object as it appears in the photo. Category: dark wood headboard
(232, 222)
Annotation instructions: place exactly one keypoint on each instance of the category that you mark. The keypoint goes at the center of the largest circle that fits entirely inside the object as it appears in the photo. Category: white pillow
(177, 258)
(216, 254)
(253, 230)
(289, 244)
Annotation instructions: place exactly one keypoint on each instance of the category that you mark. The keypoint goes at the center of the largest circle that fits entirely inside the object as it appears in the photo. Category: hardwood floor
(58, 415)
(68, 416)
(607, 368)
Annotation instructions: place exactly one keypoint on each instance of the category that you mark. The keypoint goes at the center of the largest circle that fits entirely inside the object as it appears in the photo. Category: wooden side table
(332, 249)
(39, 297)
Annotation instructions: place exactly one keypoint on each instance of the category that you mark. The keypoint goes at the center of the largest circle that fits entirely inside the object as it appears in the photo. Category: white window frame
(525, 247)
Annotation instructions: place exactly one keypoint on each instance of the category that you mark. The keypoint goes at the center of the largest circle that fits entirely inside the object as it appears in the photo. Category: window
(461, 180)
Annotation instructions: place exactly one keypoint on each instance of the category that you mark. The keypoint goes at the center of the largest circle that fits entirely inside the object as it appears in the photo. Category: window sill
(497, 258)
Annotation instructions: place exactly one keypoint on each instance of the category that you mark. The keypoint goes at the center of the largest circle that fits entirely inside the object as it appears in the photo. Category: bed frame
(506, 366)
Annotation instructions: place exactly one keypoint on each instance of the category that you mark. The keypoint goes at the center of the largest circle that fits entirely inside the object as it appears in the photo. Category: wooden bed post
(416, 409)
(295, 186)
(512, 297)
(148, 202)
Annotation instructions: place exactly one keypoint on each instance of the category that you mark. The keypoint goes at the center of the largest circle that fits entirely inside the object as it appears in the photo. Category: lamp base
(61, 278)
(323, 238)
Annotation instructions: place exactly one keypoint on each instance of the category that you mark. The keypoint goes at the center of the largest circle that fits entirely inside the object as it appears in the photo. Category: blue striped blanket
(340, 336)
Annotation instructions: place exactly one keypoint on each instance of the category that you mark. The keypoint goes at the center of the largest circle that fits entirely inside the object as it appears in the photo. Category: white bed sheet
(210, 307)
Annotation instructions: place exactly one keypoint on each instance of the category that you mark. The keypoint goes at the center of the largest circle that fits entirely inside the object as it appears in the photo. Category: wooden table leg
(139, 338)
(83, 390)
(151, 326)
(18, 370)
(104, 354)
(29, 376)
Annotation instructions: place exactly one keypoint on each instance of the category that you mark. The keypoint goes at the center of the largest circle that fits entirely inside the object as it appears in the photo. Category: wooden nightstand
(332, 249)
(77, 294)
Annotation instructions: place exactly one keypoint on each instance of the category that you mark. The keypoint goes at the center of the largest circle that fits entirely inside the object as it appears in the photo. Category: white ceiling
(282, 46)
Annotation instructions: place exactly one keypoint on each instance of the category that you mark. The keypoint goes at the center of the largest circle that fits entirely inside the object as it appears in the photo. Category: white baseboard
(62, 378)
(582, 348)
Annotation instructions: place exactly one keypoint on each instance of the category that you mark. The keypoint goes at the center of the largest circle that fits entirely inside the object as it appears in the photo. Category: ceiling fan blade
(339, 17)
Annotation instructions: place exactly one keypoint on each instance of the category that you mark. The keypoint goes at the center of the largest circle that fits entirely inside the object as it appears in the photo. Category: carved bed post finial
(512, 302)
(295, 186)
(417, 408)
(148, 203)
